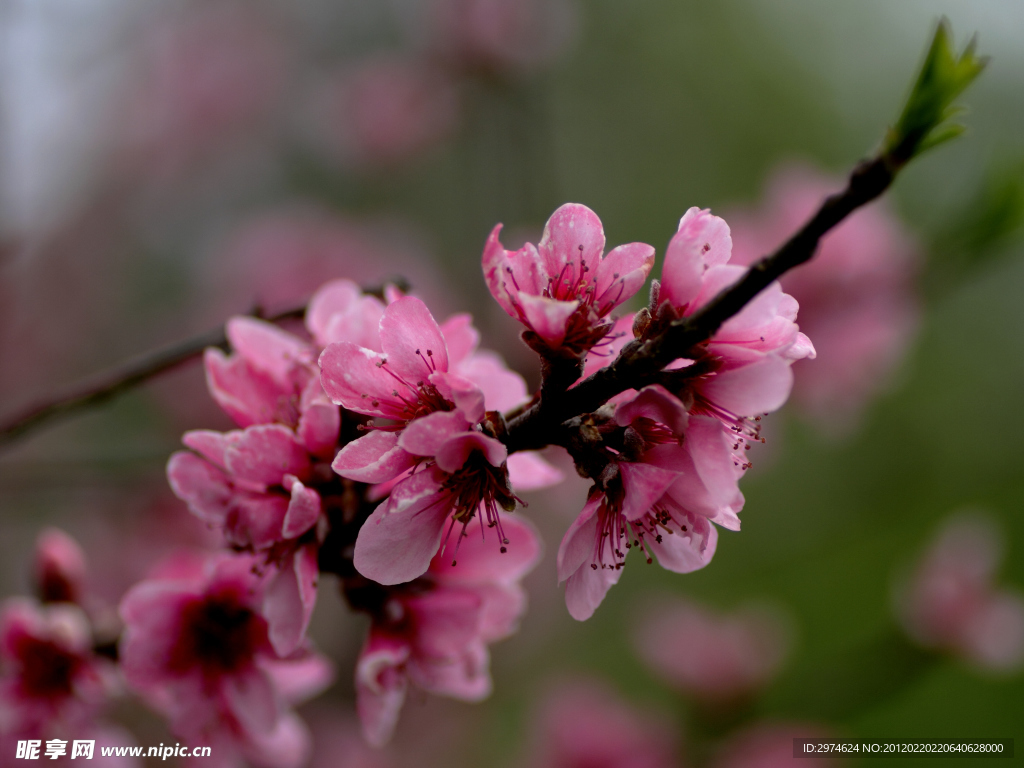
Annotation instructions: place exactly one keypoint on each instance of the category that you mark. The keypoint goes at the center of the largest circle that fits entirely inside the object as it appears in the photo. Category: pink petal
(288, 745)
(456, 451)
(573, 236)
(402, 535)
(380, 686)
(529, 471)
(480, 561)
(412, 341)
(208, 444)
(503, 607)
(506, 273)
(620, 274)
(303, 510)
(460, 337)
(716, 279)
(446, 622)
(426, 435)
(644, 484)
(701, 241)
(585, 590)
(467, 396)
(201, 485)
(752, 390)
(265, 453)
(685, 552)
(256, 519)
(353, 377)
(467, 678)
(252, 700)
(302, 678)
(374, 458)
(268, 348)
(655, 403)
(332, 298)
(547, 317)
(290, 598)
(503, 389)
(247, 395)
(709, 446)
(580, 540)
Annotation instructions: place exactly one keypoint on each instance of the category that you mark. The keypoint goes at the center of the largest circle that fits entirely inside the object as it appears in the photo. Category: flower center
(219, 634)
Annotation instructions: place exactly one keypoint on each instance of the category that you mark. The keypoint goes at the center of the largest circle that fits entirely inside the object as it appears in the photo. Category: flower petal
(620, 274)
(290, 598)
(402, 535)
(412, 341)
(374, 458)
(529, 471)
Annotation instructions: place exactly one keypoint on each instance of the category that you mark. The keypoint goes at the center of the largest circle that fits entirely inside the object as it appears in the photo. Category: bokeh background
(166, 164)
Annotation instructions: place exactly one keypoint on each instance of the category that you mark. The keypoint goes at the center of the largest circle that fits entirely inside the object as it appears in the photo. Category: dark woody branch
(924, 123)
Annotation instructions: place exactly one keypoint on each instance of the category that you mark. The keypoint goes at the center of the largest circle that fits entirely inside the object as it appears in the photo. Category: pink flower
(432, 385)
(659, 492)
(517, 35)
(746, 364)
(249, 484)
(206, 79)
(585, 725)
(856, 296)
(196, 647)
(770, 745)
(951, 603)
(721, 658)
(51, 678)
(434, 632)
(59, 568)
(563, 288)
(388, 111)
(271, 377)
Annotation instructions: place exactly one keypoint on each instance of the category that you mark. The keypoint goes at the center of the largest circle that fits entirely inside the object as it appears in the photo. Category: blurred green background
(652, 106)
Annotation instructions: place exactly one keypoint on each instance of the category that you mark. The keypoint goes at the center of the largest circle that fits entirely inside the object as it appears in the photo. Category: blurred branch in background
(106, 386)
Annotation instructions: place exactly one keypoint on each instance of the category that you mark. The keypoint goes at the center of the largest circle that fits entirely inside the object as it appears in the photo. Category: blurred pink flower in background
(197, 649)
(584, 724)
(59, 568)
(280, 257)
(717, 657)
(52, 682)
(385, 111)
(951, 602)
(770, 745)
(857, 295)
(434, 632)
(205, 78)
(503, 35)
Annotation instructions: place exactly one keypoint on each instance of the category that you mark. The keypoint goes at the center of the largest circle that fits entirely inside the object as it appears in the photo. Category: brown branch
(640, 364)
(107, 385)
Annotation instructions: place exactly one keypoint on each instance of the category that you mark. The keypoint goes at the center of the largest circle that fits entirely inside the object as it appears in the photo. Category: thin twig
(639, 364)
(109, 384)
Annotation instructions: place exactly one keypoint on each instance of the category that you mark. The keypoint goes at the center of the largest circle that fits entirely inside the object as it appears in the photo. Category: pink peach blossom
(197, 649)
(249, 484)
(744, 370)
(564, 288)
(660, 493)
(720, 658)
(951, 602)
(51, 678)
(770, 745)
(503, 35)
(59, 568)
(434, 632)
(583, 724)
(857, 297)
(388, 110)
(271, 377)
